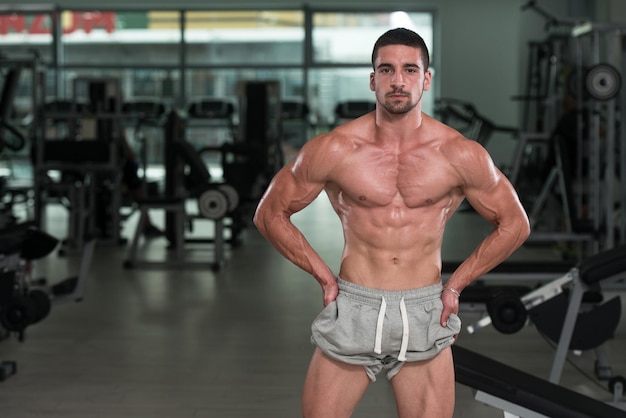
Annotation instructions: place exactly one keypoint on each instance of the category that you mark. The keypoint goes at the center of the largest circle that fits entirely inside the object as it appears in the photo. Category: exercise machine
(187, 179)
(260, 127)
(87, 161)
(144, 118)
(577, 70)
(24, 300)
(556, 311)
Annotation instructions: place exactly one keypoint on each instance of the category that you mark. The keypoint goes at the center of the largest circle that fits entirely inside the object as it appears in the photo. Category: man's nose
(397, 79)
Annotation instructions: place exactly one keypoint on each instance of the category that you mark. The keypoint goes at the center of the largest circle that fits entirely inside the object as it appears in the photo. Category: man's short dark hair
(402, 36)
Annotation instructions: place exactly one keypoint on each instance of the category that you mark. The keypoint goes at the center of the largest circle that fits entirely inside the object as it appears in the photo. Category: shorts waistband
(372, 296)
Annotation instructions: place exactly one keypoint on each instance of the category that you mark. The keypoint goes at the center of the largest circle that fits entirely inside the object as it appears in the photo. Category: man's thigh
(426, 388)
(332, 388)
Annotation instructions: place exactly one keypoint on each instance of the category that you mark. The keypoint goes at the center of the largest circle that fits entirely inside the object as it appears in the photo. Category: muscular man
(394, 177)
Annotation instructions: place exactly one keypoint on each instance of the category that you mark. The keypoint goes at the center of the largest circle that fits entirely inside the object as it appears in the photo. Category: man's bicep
(495, 201)
(487, 189)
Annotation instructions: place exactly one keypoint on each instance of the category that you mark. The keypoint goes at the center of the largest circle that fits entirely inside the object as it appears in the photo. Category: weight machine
(144, 118)
(187, 177)
(24, 300)
(88, 157)
(211, 122)
(247, 163)
(575, 76)
(600, 52)
(260, 128)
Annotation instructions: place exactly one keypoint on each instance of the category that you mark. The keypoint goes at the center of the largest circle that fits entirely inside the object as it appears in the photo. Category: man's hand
(330, 292)
(450, 302)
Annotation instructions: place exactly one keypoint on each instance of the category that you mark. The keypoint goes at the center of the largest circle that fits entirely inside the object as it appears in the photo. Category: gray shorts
(382, 329)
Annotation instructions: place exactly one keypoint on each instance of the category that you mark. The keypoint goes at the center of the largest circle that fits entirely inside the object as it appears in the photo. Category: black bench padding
(518, 387)
(603, 265)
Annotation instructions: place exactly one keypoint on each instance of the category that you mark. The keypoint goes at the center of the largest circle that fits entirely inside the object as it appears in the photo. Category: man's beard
(400, 107)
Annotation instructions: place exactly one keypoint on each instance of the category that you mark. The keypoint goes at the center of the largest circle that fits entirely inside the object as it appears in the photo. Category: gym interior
(137, 139)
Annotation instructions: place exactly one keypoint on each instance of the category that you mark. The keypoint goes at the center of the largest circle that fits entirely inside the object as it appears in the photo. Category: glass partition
(340, 37)
(244, 37)
(331, 87)
(177, 57)
(121, 38)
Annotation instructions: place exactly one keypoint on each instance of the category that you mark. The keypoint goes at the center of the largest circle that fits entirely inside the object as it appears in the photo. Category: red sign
(40, 24)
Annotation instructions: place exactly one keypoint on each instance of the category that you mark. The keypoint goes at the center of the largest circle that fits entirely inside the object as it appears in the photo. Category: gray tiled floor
(194, 343)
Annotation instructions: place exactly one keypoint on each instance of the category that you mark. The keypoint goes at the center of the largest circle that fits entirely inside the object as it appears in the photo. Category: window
(244, 37)
(116, 38)
(349, 37)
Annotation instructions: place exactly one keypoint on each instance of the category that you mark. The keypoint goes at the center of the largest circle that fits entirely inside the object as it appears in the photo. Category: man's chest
(417, 178)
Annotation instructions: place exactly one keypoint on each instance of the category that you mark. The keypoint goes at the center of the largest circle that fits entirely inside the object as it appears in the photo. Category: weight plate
(231, 194)
(213, 204)
(603, 82)
(17, 314)
(508, 313)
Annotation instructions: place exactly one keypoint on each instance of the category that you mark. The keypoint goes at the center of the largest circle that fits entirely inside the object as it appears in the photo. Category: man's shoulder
(347, 135)
(455, 146)
(447, 140)
(442, 131)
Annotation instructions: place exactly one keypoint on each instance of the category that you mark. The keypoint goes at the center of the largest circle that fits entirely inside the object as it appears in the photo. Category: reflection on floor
(194, 343)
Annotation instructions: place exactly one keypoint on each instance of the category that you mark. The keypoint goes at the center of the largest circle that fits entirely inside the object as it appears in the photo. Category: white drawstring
(379, 327)
(405, 331)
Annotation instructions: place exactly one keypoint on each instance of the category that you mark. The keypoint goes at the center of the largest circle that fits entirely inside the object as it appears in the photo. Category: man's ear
(428, 75)
(372, 83)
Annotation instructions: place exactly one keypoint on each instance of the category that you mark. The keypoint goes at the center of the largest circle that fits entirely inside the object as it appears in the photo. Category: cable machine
(571, 124)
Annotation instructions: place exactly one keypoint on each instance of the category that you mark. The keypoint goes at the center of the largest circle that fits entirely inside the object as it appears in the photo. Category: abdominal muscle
(392, 249)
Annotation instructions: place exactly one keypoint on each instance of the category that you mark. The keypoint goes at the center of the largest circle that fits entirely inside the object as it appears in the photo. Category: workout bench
(520, 394)
(555, 310)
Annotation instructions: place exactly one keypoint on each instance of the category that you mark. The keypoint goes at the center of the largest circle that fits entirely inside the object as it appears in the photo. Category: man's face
(399, 78)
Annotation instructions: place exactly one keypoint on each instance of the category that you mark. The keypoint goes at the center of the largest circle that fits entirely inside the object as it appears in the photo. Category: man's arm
(495, 199)
(293, 188)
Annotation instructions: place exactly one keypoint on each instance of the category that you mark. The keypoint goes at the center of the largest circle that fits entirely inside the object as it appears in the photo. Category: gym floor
(190, 342)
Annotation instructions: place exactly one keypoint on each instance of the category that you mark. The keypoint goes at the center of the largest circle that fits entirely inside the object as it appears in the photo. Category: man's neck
(399, 125)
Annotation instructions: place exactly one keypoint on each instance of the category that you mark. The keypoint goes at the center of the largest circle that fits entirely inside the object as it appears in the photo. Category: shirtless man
(394, 177)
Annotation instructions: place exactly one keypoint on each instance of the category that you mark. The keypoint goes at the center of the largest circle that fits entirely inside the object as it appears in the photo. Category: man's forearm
(292, 244)
(492, 251)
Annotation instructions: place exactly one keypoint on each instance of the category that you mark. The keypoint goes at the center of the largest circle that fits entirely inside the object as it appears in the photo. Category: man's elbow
(257, 220)
(263, 219)
(524, 229)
